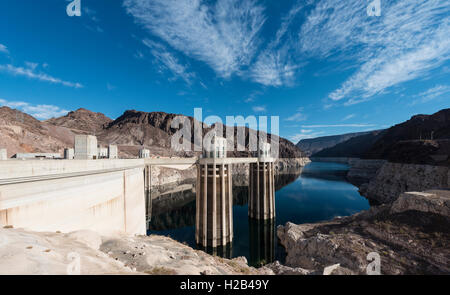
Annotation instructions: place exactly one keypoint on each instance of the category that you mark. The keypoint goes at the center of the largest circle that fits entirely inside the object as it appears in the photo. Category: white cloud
(348, 117)
(31, 65)
(305, 134)
(431, 94)
(169, 61)
(40, 112)
(275, 66)
(252, 97)
(4, 49)
(32, 74)
(224, 35)
(298, 116)
(259, 109)
(339, 125)
(408, 41)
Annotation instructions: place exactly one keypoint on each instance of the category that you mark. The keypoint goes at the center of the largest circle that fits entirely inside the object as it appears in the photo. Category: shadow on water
(315, 193)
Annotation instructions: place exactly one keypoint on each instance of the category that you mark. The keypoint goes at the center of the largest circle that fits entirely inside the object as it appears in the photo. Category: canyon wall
(393, 179)
(382, 181)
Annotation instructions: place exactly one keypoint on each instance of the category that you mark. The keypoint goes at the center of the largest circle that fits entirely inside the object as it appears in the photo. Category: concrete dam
(110, 195)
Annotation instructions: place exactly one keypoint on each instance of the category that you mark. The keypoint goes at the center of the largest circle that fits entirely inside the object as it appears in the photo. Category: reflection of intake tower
(261, 203)
(214, 216)
(262, 241)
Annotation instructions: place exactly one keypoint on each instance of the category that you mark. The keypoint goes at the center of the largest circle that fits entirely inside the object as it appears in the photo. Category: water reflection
(221, 251)
(262, 241)
(318, 192)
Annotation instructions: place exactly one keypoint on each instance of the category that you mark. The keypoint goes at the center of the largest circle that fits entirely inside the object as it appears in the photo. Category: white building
(102, 153)
(85, 147)
(217, 148)
(24, 156)
(3, 154)
(113, 152)
(144, 153)
(69, 154)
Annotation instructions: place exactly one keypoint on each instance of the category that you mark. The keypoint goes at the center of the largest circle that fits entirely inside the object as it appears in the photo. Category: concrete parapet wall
(108, 196)
(31, 168)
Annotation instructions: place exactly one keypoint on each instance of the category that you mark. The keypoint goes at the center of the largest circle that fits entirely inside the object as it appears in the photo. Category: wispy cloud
(273, 68)
(31, 65)
(4, 49)
(275, 65)
(408, 41)
(298, 116)
(348, 117)
(41, 111)
(305, 134)
(431, 94)
(92, 15)
(259, 109)
(110, 87)
(224, 35)
(339, 125)
(30, 72)
(169, 61)
(252, 97)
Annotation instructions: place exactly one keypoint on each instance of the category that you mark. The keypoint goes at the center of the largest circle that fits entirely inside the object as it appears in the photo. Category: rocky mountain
(153, 130)
(424, 139)
(355, 147)
(20, 132)
(311, 146)
(82, 121)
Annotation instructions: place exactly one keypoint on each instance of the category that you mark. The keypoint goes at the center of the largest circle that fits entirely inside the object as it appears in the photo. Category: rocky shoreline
(24, 252)
(382, 182)
(408, 225)
(412, 236)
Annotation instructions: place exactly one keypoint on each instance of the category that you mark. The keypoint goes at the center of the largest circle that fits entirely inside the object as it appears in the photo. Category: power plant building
(113, 152)
(144, 153)
(102, 153)
(69, 154)
(85, 147)
(3, 154)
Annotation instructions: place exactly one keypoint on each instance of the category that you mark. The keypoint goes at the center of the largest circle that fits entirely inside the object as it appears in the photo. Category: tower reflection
(221, 251)
(262, 241)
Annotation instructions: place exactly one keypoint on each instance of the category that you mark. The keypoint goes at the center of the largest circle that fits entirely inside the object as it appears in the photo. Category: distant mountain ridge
(312, 146)
(355, 147)
(423, 139)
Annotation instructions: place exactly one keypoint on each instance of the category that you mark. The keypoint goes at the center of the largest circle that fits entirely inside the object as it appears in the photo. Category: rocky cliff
(82, 121)
(424, 139)
(382, 182)
(355, 147)
(392, 179)
(21, 133)
(136, 128)
(312, 146)
(411, 236)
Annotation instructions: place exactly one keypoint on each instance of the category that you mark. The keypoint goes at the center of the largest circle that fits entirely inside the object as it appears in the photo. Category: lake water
(315, 193)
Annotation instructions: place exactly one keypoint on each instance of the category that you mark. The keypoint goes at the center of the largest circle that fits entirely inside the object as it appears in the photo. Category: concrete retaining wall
(102, 195)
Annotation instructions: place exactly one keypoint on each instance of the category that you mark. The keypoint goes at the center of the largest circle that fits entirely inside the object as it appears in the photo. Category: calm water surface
(317, 192)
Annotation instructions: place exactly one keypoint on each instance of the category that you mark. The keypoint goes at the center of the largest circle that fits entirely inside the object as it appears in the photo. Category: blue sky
(324, 67)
